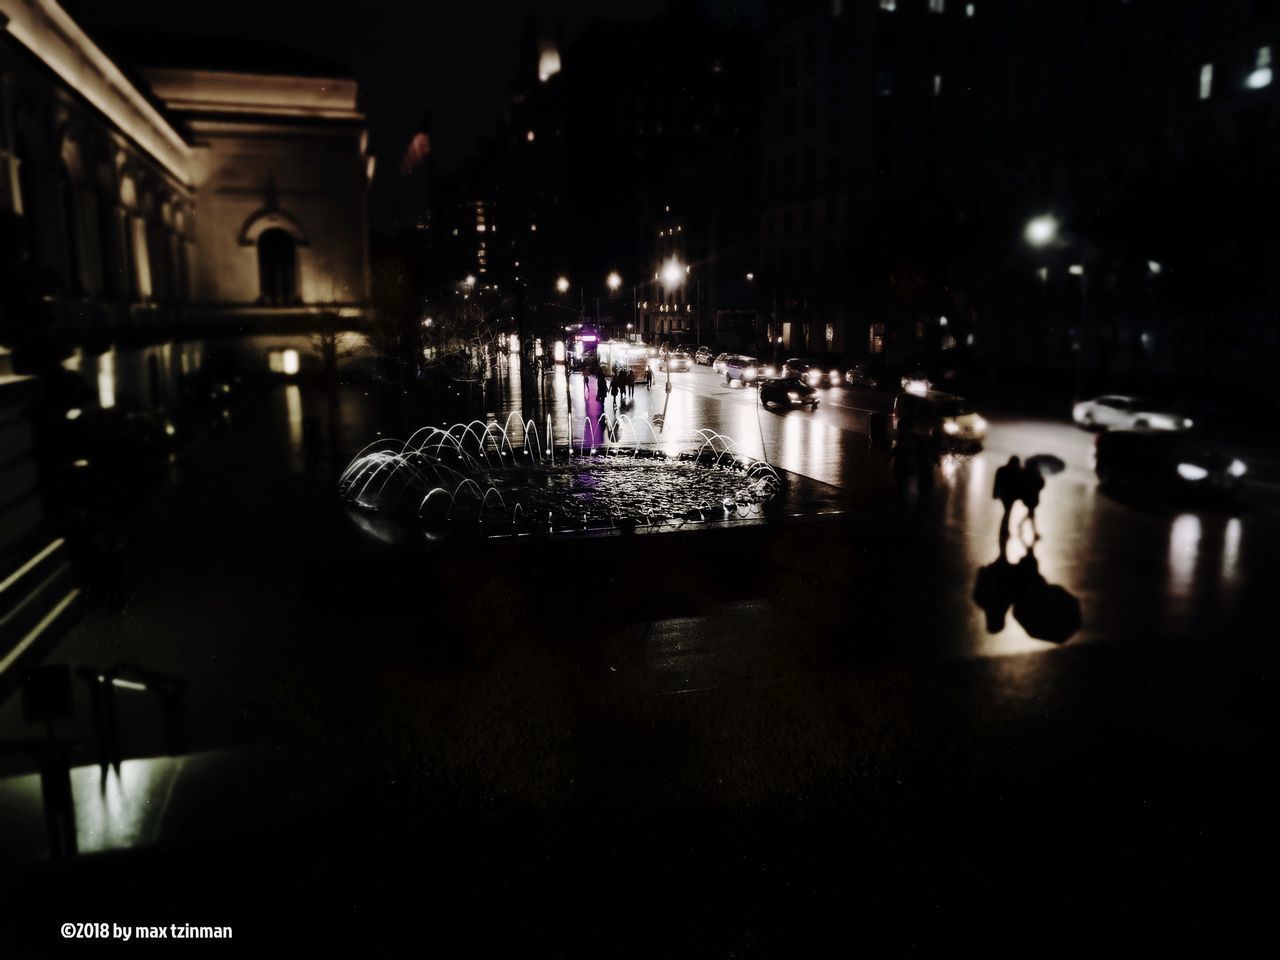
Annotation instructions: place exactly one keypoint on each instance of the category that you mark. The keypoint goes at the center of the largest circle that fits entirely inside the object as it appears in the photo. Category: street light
(614, 281)
(1042, 230)
(562, 284)
(470, 281)
(673, 273)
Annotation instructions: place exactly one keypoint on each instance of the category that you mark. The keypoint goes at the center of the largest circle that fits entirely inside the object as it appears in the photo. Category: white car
(1126, 413)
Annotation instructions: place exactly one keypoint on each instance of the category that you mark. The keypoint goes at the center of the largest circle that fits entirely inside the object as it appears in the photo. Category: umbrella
(1046, 463)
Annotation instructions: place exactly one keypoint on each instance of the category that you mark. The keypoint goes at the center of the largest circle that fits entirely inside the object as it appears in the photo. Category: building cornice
(48, 31)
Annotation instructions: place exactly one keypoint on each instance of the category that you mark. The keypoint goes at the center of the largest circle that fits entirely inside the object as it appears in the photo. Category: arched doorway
(277, 267)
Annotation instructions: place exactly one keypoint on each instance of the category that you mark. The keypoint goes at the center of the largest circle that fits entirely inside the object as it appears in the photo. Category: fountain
(511, 479)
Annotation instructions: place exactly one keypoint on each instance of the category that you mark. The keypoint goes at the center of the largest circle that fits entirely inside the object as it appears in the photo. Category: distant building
(606, 143)
(907, 145)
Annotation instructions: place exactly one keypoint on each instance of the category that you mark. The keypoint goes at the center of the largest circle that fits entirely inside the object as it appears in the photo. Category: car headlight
(813, 377)
(1237, 468)
(1192, 471)
(792, 395)
(748, 374)
(979, 425)
(835, 376)
(1187, 423)
(951, 427)
(1078, 411)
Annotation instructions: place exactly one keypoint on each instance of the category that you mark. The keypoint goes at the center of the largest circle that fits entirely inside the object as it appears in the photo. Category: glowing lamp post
(1041, 231)
(562, 285)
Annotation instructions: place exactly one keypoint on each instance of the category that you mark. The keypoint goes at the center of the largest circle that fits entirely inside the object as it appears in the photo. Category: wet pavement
(793, 710)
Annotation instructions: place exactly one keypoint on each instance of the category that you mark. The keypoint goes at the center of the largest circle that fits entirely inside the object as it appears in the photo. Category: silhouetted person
(1007, 489)
(1029, 489)
(602, 385)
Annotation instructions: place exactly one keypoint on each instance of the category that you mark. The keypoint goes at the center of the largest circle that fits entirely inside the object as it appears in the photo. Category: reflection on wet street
(1137, 570)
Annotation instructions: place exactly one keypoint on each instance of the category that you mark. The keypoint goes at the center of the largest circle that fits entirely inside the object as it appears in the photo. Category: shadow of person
(994, 590)
(1046, 611)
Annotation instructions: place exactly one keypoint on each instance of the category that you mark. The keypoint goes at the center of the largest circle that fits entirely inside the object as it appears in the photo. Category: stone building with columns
(152, 216)
(184, 194)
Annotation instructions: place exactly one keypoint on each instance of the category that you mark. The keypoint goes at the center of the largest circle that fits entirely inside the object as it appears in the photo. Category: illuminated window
(1206, 81)
(831, 334)
(937, 84)
(1261, 76)
(837, 7)
(875, 338)
(529, 136)
(889, 5)
(970, 9)
(937, 6)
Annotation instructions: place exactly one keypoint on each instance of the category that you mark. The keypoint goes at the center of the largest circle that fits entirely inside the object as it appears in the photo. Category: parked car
(743, 369)
(703, 357)
(948, 420)
(862, 375)
(1165, 461)
(1114, 412)
(719, 362)
(788, 391)
(811, 373)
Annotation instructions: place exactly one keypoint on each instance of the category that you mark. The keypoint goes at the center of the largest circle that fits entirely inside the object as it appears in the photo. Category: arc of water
(467, 483)
(431, 493)
(484, 503)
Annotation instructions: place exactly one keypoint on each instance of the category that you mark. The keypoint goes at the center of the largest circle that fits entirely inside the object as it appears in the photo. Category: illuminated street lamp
(614, 281)
(1042, 230)
(470, 282)
(673, 273)
(562, 284)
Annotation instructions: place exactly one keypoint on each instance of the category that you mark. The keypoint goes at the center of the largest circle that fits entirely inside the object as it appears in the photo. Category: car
(916, 382)
(1165, 461)
(861, 375)
(946, 419)
(718, 363)
(1114, 412)
(788, 391)
(703, 357)
(676, 361)
(743, 369)
(811, 373)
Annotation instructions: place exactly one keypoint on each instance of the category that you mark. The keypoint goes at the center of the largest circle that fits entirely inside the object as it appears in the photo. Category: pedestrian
(1032, 482)
(1007, 488)
(602, 385)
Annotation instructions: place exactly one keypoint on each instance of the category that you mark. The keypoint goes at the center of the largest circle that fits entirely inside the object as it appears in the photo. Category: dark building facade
(907, 146)
(630, 132)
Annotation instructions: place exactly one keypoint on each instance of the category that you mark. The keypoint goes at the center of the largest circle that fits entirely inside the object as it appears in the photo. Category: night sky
(456, 59)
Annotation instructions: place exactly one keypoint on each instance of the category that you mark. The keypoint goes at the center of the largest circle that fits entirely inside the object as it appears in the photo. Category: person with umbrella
(1032, 482)
(1007, 489)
